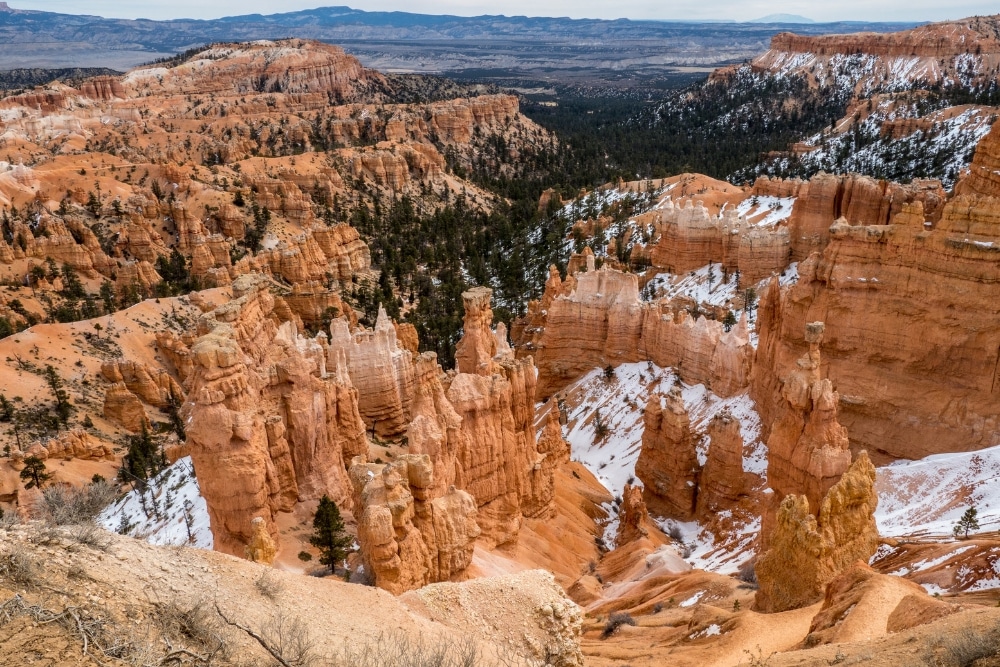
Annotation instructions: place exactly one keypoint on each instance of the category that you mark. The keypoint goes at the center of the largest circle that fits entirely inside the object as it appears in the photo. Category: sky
(740, 10)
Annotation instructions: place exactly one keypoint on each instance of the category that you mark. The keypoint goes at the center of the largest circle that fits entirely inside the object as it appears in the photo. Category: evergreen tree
(176, 421)
(729, 321)
(328, 534)
(63, 406)
(6, 409)
(34, 472)
(969, 521)
(143, 460)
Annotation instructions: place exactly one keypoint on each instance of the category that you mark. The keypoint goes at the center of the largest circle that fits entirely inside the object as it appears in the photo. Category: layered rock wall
(602, 321)
(383, 373)
(911, 336)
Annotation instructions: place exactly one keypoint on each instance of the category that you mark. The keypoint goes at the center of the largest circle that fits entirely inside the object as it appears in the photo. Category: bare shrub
(615, 621)
(286, 638)
(9, 519)
(967, 645)
(20, 566)
(192, 630)
(399, 650)
(268, 585)
(65, 505)
(748, 573)
(90, 535)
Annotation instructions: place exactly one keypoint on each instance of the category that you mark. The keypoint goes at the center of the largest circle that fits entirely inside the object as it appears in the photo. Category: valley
(708, 377)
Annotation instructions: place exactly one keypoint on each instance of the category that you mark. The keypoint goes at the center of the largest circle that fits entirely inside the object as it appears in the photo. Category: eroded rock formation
(911, 335)
(124, 408)
(722, 479)
(808, 449)
(808, 549)
(409, 537)
(631, 515)
(267, 424)
(596, 318)
(668, 461)
(381, 370)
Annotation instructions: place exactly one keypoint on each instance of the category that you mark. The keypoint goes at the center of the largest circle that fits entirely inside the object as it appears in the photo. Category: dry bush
(20, 566)
(748, 573)
(290, 638)
(400, 650)
(964, 647)
(9, 519)
(64, 505)
(269, 585)
(615, 621)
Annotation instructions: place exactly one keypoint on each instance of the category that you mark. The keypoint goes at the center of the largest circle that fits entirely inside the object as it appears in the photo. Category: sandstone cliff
(910, 338)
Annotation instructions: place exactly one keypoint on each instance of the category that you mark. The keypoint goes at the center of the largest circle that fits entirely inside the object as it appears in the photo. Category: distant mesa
(782, 18)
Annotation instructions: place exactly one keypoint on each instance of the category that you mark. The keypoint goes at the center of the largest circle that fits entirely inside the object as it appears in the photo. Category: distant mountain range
(782, 18)
(404, 41)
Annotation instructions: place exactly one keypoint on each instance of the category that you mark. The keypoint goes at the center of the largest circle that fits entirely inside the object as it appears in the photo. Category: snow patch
(170, 511)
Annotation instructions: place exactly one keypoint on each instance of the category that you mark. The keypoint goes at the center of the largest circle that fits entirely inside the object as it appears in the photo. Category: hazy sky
(868, 10)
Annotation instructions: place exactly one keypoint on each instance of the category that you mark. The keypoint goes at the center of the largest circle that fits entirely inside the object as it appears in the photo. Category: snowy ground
(706, 286)
(766, 211)
(170, 511)
(928, 496)
(620, 402)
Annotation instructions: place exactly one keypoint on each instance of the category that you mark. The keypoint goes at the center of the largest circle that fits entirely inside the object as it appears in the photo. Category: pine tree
(63, 407)
(34, 472)
(729, 321)
(143, 460)
(969, 521)
(329, 535)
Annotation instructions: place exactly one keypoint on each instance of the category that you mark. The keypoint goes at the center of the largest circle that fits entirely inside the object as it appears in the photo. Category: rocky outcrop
(259, 67)
(549, 625)
(553, 451)
(859, 200)
(690, 237)
(409, 537)
(668, 461)
(860, 603)
(809, 549)
(124, 408)
(722, 478)
(153, 386)
(475, 351)
(631, 515)
(936, 40)
(380, 369)
(78, 444)
(983, 178)
(261, 548)
(600, 320)
(267, 424)
(808, 449)
(496, 404)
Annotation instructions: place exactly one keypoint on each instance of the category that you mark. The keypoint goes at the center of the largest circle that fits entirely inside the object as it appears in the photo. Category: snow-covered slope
(619, 402)
(170, 511)
(928, 496)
